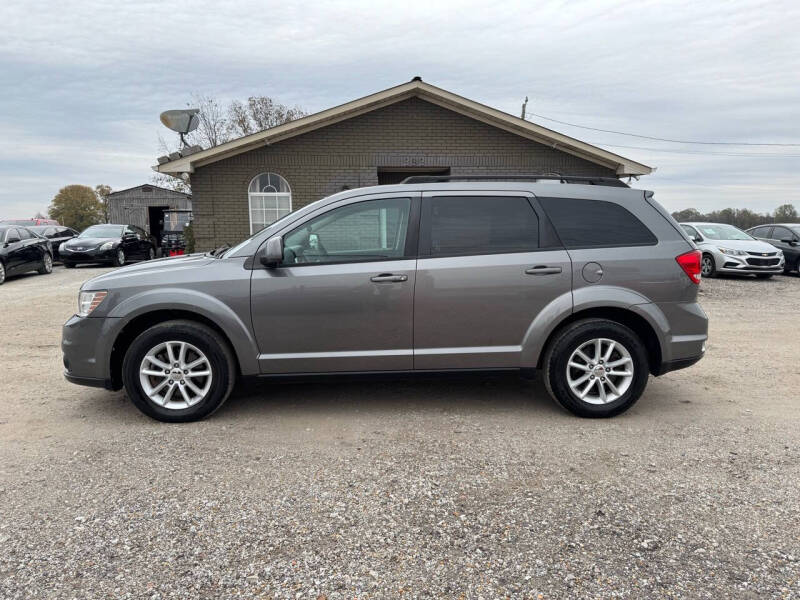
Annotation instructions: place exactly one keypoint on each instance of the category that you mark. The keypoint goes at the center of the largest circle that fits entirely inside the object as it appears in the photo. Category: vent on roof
(147, 189)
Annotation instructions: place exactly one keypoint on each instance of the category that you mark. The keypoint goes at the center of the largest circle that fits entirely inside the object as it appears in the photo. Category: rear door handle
(388, 278)
(542, 270)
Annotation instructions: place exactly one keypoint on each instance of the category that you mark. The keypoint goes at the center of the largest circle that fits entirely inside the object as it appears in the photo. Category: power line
(658, 139)
(664, 150)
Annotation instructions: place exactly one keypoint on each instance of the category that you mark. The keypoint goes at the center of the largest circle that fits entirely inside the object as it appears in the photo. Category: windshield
(722, 232)
(102, 231)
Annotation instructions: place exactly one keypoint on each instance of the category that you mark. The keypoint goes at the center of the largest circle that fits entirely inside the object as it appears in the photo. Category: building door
(342, 299)
(155, 220)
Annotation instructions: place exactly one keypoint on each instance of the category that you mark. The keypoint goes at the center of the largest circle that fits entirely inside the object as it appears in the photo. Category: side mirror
(272, 255)
(697, 239)
(790, 242)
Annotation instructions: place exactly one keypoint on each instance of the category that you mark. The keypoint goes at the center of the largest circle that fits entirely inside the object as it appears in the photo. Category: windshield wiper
(217, 251)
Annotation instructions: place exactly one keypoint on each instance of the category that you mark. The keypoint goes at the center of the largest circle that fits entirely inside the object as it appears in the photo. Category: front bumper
(749, 265)
(88, 256)
(86, 344)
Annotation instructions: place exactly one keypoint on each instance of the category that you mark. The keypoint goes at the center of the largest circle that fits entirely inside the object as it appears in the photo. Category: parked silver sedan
(727, 249)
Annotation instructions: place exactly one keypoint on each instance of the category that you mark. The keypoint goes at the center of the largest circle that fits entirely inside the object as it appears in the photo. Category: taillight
(690, 263)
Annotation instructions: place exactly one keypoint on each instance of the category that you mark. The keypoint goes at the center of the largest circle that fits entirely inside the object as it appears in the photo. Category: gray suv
(589, 281)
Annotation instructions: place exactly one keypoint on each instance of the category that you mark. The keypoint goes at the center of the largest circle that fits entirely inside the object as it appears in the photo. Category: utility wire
(744, 154)
(658, 139)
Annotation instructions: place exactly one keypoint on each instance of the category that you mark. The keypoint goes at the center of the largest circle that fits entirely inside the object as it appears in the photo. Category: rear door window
(469, 225)
(582, 223)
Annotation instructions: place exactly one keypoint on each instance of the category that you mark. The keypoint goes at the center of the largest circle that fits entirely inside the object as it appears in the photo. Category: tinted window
(781, 233)
(363, 231)
(585, 223)
(482, 225)
(761, 232)
(12, 234)
(24, 234)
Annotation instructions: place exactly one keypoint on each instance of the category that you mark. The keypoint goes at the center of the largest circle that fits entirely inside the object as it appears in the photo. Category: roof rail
(609, 181)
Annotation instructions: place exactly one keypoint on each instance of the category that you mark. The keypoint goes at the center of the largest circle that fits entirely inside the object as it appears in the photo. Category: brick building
(411, 129)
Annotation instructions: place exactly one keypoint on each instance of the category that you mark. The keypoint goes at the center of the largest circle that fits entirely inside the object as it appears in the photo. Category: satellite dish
(182, 121)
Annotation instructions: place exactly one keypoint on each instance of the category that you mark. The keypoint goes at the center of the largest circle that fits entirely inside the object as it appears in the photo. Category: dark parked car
(22, 251)
(57, 234)
(785, 236)
(592, 282)
(115, 244)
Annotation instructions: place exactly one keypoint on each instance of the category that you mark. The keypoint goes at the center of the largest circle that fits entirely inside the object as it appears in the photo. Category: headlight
(731, 252)
(61, 246)
(107, 246)
(88, 301)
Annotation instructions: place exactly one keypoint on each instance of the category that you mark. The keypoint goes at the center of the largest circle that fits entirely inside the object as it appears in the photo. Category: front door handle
(542, 270)
(388, 278)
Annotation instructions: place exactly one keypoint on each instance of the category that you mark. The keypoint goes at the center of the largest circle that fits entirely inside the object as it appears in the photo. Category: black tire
(763, 275)
(572, 337)
(69, 265)
(708, 266)
(47, 264)
(212, 344)
(119, 258)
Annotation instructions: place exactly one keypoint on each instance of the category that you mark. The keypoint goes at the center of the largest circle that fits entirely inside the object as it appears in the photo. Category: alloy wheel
(175, 375)
(48, 263)
(600, 371)
(2, 272)
(120, 257)
(707, 266)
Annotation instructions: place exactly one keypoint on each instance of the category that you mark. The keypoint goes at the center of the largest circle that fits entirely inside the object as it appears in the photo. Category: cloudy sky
(83, 82)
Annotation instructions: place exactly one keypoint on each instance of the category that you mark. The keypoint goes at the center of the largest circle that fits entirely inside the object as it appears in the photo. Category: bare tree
(213, 128)
(258, 114)
(218, 125)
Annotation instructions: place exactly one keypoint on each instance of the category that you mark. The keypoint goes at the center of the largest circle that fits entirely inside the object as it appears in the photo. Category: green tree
(76, 206)
(102, 191)
(786, 213)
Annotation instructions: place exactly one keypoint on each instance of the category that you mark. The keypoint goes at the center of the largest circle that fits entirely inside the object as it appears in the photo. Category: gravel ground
(415, 489)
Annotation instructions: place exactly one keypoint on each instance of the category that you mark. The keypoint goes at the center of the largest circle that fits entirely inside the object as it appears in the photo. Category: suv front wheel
(596, 368)
(178, 371)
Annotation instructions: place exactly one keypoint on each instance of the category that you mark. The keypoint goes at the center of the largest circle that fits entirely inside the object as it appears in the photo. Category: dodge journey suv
(586, 280)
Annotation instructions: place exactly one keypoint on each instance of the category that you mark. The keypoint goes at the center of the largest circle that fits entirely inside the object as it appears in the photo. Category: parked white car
(728, 249)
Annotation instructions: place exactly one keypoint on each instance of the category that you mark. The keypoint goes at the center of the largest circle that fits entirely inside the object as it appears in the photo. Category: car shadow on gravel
(255, 398)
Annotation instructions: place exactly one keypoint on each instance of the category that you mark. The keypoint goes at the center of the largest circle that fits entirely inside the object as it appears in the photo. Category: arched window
(270, 198)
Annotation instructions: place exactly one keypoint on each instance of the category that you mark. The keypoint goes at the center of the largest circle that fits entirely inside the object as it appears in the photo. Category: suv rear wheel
(596, 368)
(178, 371)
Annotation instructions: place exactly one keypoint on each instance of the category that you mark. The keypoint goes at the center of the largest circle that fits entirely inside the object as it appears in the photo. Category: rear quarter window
(582, 223)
